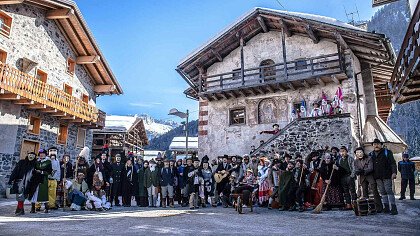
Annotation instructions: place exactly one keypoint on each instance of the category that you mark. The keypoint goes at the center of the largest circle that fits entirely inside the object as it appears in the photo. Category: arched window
(267, 111)
(268, 71)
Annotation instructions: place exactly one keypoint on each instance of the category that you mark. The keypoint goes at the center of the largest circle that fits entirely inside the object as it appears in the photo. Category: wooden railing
(4, 29)
(26, 86)
(293, 70)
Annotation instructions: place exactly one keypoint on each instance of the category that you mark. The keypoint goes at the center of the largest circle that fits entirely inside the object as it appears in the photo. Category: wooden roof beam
(81, 60)
(320, 82)
(334, 78)
(306, 84)
(285, 28)
(341, 40)
(262, 24)
(10, 2)
(104, 88)
(37, 106)
(290, 85)
(63, 13)
(9, 96)
(217, 55)
(24, 102)
(311, 33)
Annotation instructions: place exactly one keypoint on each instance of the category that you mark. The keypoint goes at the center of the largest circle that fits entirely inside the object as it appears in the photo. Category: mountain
(155, 127)
(162, 142)
(392, 20)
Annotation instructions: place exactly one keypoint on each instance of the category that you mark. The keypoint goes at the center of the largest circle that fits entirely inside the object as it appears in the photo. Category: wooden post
(283, 44)
(242, 61)
(200, 78)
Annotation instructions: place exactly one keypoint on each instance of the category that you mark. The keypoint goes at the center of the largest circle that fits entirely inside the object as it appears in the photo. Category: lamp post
(183, 115)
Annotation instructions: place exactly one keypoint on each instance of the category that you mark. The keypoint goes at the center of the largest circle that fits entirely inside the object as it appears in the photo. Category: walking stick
(64, 188)
(318, 208)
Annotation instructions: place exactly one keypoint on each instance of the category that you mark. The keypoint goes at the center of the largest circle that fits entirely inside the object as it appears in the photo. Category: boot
(402, 197)
(196, 200)
(184, 202)
(47, 207)
(269, 203)
(394, 209)
(32, 208)
(412, 197)
(203, 203)
(386, 209)
(171, 203)
(379, 208)
(191, 201)
(19, 212)
(164, 203)
(213, 202)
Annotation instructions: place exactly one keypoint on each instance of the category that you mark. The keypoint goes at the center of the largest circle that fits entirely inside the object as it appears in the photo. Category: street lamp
(182, 115)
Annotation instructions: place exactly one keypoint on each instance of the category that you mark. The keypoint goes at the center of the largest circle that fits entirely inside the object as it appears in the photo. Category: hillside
(392, 20)
(162, 142)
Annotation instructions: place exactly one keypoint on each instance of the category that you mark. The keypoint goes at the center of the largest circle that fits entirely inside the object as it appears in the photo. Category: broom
(318, 208)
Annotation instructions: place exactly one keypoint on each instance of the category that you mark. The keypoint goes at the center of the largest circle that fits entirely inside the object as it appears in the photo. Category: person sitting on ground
(407, 168)
(76, 192)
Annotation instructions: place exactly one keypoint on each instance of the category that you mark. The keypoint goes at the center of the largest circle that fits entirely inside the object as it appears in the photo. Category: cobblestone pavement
(207, 221)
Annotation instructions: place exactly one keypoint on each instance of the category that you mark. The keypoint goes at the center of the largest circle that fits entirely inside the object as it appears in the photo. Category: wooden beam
(233, 94)
(58, 114)
(223, 94)
(242, 92)
(80, 60)
(306, 84)
(24, 102)
(341, 40)
(290, 85)
(281, 88)
(320, 82)
(335, 79)
(9, 96)
(63, 13)
(215, 97)
(285, 28)
(260, 90)
(37, 106)
(262, 24)
(10, 2)
(68, 118)
(311, 33)
(218, 56)
(104, 88)
(271, 89)
(50, 110)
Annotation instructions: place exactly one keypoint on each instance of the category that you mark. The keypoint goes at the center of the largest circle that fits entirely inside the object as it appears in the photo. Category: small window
(3, 56)
(41, 75)
(62, 134)
(85, 98)
(5, 24)
(71, 66)
(301, 64)
(81, 137)
(237, 116)
(34, 125)
(68, 89)
(268, 69)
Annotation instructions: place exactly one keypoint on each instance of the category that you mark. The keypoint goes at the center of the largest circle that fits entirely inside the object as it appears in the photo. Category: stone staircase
(307, 134)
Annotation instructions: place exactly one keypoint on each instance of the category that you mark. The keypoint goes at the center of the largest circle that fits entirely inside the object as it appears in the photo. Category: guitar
(218, 177)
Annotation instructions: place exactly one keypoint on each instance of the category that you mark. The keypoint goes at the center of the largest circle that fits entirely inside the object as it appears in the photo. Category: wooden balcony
(27, 90)
(271, 78)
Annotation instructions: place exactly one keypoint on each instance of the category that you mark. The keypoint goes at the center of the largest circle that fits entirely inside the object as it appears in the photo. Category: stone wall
(17, 131)
(308, 134)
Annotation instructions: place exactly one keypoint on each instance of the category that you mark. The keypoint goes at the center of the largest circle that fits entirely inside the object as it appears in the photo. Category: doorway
(27, 147)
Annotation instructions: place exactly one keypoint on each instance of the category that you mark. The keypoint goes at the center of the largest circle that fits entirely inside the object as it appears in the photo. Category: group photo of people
(326, 179)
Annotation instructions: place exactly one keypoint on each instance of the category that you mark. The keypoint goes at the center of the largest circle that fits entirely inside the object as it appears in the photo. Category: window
(5, 24)
(85, 98)
(71, 66)
(41, 75)
(268, 70)
(301, 64)
(81, 137)
(236, 73)
(3, 56)
(68, 89)
(62, 134)
(237, 116)
(34, 125)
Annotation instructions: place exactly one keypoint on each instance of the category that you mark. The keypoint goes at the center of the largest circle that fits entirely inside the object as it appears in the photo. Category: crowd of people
(283, 181)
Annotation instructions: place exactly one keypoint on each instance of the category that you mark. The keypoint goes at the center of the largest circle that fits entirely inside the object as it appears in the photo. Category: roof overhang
(71, 22)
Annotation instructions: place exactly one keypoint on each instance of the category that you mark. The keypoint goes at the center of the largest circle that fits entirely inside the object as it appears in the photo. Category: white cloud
(145, 104)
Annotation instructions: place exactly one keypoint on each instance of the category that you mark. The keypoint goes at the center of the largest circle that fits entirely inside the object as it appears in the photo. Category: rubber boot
(191, 202)
(32, 208)
(386, 209)
(394, 209)
(47, 208)
(171, 203)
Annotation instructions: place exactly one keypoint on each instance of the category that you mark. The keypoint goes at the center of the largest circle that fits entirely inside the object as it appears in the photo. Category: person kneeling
(97, 196)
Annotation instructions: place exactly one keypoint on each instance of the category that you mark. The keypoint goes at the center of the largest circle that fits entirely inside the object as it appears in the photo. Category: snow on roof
(178, 143)
(126, 122)
(323, 19)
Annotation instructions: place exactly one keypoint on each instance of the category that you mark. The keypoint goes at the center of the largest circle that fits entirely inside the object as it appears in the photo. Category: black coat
(128, 180)
(383, 164)
(406, 168)
(68, 170)
(23, 171)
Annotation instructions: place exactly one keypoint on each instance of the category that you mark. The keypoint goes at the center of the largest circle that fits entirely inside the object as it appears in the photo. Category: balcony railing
(29, 87)
(277, 73)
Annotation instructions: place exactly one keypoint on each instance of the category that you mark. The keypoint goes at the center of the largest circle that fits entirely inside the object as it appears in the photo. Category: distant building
(178, 146)
(261, 69)
(121, 134)
(51, 72)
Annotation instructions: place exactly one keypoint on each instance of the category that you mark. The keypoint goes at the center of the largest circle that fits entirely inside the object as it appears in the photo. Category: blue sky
(143, 41)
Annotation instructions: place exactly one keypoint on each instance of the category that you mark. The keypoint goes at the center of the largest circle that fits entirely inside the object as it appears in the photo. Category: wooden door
(27, 147)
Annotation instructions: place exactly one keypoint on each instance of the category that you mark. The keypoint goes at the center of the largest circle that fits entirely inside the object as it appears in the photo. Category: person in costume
(363, 168)
(316, 111)
(77, 191)
(334, 196)
(263, 183)
(407, 169)
(314, 193)
(128, 180)
(107, 170)
(186, 170)
(54, 178)
(384, 172)
(194, 174)
(42, 170)
(142, 190)
(222, 168)
(208, 183)
(335, 153)
(96, 197)
(302, 110)
(276, 130)
(347, 178)
(245, 187)
(325, 107)
(21, 180)
(286, 191)
(337, 102)
(167, 176)
(179, 190)
(151, 182)
(66, 171)
(301, 176)
(115, 180)
(274, 174)
(97, 166)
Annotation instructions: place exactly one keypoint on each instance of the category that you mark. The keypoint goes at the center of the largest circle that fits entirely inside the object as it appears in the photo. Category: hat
(276, 125)
(171, 160)
(291, 162)
(42, 151)
(152, 161)
(117, 155)
(344, 148)
(246, 157)
(359, 148)
(159, 156)
(205, 157)
(376, 140)
(405, 155)
(146, 161)
(195, 159)
(52, 148)
(204, 161)
(97, 157)
(335, 148)
(226, 156)
(166, 160)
